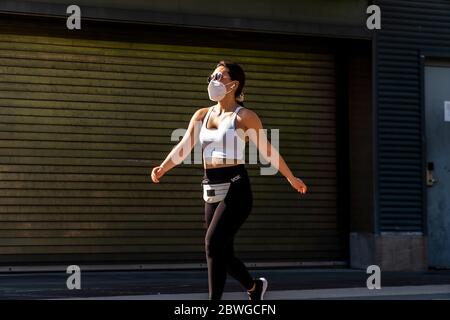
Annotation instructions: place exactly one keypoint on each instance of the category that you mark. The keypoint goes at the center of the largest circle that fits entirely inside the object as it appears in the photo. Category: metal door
(83, 121)
(437, 104)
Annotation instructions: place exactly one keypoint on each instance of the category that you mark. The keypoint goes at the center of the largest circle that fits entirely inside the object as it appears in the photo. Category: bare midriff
(219, 163)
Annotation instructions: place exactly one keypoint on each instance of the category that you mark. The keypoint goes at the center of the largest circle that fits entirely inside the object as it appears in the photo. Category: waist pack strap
(235, 178)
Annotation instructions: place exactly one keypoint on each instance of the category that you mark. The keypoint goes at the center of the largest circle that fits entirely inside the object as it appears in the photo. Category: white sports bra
(223, 142)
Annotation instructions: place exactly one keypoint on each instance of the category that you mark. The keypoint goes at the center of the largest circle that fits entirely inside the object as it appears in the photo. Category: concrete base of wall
(391, 252)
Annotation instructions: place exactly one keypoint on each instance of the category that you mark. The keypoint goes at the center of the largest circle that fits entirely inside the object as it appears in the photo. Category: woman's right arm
(183, 148)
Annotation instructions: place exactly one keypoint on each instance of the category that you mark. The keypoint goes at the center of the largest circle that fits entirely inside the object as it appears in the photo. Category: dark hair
(236, 73)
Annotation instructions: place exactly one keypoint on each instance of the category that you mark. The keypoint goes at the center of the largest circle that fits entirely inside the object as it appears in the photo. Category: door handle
(430, 179)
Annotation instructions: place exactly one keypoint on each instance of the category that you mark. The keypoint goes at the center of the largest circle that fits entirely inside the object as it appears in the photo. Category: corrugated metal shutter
(407, 28)
(83, 121)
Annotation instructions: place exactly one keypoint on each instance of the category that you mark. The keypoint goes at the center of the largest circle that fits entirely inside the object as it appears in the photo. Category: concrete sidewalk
(430, 292)
(284, 283)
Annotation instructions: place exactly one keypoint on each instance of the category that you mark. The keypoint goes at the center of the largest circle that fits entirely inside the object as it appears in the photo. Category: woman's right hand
(157, 173)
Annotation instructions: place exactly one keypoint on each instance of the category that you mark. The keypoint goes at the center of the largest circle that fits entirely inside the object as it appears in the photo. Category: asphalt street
(284, 283)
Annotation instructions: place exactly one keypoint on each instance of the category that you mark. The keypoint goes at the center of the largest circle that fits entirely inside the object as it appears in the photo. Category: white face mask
(217, 90)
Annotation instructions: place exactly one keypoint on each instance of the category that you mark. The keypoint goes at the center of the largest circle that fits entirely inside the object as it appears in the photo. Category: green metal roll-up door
(82, 122)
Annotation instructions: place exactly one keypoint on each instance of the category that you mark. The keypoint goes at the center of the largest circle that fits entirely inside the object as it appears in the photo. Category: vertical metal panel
(360, 139)
(407, 28)
(83, 121)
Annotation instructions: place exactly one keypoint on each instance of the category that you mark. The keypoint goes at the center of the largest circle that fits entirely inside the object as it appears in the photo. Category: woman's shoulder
(247, 118)
(200, 113)
(245, 112)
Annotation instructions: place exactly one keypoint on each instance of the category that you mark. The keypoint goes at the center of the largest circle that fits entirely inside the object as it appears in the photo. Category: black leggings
(223, 220)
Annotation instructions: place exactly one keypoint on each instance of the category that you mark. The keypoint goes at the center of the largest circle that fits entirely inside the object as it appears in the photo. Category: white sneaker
(260, 290)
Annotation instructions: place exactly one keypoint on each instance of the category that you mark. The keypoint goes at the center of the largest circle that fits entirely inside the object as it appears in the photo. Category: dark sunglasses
(217, 76)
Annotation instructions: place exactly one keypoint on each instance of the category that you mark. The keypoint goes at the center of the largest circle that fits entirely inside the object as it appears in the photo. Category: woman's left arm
(254, 130)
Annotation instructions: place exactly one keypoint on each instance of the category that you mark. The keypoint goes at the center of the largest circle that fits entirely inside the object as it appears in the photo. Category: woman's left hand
(298, 185)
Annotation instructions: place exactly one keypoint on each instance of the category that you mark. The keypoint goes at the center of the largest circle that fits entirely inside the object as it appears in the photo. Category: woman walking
(226, 186)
